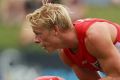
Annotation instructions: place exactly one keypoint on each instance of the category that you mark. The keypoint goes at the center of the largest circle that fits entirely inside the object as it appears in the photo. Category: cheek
(52, 40)
(44, 38)
(55, 41)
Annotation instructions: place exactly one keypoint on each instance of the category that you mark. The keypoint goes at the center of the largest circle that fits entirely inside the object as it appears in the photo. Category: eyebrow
(37, 32)
(33, 26)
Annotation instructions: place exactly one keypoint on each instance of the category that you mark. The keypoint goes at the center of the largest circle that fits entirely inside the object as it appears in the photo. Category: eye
(38, 33)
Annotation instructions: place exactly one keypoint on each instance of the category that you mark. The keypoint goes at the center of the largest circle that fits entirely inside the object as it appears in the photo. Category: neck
(71, 40)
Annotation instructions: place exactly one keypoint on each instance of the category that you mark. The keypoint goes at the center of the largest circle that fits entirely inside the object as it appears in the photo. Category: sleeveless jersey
(82, 57)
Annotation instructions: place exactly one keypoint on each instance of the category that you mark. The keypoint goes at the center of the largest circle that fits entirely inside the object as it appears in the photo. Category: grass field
(110, 13)
(9, 36)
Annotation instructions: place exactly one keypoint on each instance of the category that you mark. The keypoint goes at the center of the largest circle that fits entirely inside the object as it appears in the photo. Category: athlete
(87, 45)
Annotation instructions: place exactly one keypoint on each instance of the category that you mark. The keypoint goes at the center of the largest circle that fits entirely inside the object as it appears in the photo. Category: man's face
(46, 38)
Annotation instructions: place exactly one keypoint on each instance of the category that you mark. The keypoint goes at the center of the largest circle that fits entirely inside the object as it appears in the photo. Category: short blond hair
(50, 15)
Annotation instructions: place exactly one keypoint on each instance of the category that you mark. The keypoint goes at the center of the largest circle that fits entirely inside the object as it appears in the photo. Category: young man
(87, 46)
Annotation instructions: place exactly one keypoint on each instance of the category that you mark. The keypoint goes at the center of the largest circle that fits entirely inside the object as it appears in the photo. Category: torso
(82, 57)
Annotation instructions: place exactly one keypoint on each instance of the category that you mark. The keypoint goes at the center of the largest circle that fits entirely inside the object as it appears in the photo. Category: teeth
(43, 47)
(41, 44)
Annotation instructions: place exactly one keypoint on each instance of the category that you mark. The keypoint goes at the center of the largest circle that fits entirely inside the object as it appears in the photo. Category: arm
(99, 43)
(82, 73)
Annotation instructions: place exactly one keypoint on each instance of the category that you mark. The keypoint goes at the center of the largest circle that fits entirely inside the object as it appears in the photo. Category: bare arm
(82, 73)
(99, 42)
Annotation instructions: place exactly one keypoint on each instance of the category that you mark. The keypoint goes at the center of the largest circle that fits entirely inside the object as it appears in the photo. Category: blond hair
(50, 15)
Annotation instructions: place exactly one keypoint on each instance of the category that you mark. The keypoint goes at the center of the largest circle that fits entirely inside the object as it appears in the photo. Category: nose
(37, 39)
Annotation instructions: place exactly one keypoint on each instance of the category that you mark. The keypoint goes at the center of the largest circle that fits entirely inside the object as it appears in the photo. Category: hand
(106, 78)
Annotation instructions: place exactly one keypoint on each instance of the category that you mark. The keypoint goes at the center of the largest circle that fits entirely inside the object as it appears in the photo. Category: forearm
(112, 69)
(110, 78)
(88, 77)
(84, 74)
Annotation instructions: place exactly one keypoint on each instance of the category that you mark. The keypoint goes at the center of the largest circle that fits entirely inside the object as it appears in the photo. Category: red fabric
(49, 78)
(82, 57)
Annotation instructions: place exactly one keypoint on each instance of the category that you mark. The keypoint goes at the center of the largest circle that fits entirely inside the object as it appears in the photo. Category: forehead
(38, 28)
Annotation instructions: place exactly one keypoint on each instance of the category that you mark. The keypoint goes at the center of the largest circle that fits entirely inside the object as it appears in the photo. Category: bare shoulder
(99, 27)
(99, 37)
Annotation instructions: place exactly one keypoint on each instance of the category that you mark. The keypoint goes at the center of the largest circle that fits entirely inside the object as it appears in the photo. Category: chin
(50, 50)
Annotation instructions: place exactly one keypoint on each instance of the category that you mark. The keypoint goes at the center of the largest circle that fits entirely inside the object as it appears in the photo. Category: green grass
(110, 13)
(9, 35)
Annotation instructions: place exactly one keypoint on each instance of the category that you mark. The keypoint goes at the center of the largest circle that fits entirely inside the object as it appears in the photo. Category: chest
(83, 59)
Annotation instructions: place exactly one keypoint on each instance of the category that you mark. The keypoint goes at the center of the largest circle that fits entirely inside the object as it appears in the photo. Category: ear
(56, 30)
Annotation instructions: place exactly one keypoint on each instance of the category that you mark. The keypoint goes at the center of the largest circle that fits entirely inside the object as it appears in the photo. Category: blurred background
(20, 58)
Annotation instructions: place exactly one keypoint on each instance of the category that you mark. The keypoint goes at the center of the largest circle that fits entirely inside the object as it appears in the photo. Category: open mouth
(43, 46)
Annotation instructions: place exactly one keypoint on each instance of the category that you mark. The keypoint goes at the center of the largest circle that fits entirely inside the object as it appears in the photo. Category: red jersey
(82, 57)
